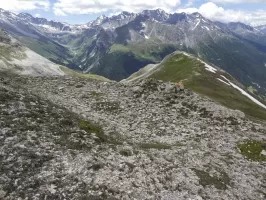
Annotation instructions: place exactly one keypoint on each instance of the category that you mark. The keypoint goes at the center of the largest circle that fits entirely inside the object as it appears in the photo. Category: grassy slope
(148, 50)
(123, 60)
(79, 74)
(181, 67)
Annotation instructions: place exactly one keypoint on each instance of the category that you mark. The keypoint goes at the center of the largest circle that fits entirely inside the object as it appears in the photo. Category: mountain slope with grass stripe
(205, 79)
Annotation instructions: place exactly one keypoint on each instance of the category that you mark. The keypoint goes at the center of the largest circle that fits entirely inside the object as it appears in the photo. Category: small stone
(2, 194)
(137, 89)
(263, 153)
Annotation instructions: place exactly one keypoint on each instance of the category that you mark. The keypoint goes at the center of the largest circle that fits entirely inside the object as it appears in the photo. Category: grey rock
(263, 152)
(156, 147)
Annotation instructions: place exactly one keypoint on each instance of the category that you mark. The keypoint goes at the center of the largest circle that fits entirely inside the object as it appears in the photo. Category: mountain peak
(197, 14)
(25, 16)
(159, 10)
(126, 13)
(158, 14)
(236, 25)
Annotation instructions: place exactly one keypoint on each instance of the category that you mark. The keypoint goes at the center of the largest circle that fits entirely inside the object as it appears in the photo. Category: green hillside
(190, 69)
(80, 74)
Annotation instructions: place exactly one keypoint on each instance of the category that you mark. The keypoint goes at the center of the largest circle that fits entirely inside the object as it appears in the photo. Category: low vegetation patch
(82, 75)
(155, 145)
(126, 152)
(96, 95)
(206, 179)
(252, 150)
(91, 128)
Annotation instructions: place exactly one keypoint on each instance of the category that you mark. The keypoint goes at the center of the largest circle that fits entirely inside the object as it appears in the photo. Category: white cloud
(216, 13)
(59, 12)
(64, 7)
(23, 5)
(189, 3)
(238, 1)
(37, 15)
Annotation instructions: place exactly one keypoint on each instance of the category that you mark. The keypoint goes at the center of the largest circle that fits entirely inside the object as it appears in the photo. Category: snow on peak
(196, 25)
(160, 10)
(143, 24)
(99, 20)
(101, 17)
(207, 28)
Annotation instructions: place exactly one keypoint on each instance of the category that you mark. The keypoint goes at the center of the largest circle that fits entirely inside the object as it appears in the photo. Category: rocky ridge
(73, 138)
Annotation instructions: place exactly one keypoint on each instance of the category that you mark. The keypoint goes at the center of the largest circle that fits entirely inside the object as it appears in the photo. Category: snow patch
(210, 68)
(92, 53)
(225, 78)
(206, 28)
(143, 24)
(47, 27)
(146, 37)
(244, 93)
(223, 81)
(83, 59)
(196, 25)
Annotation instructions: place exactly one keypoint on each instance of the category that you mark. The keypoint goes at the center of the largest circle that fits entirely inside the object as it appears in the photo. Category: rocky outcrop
(72, 138)
(4, 37)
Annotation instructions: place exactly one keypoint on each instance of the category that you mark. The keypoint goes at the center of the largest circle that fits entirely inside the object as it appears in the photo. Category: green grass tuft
(206, 179)
(252, 150)
(155, 145)
(96, 94)
(91, 128)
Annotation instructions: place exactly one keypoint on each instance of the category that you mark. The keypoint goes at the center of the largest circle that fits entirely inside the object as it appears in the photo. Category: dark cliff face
(4, 37)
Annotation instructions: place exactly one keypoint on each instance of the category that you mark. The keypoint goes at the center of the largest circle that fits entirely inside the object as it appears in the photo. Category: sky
(82, 11)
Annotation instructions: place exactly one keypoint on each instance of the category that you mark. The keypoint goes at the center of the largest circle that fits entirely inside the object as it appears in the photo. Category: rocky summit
(76, 138)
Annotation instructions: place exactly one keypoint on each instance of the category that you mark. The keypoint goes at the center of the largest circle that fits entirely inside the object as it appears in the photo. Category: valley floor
(74, 138)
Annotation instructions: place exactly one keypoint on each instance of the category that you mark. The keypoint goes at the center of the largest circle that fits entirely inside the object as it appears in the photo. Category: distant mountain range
(118, 46)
